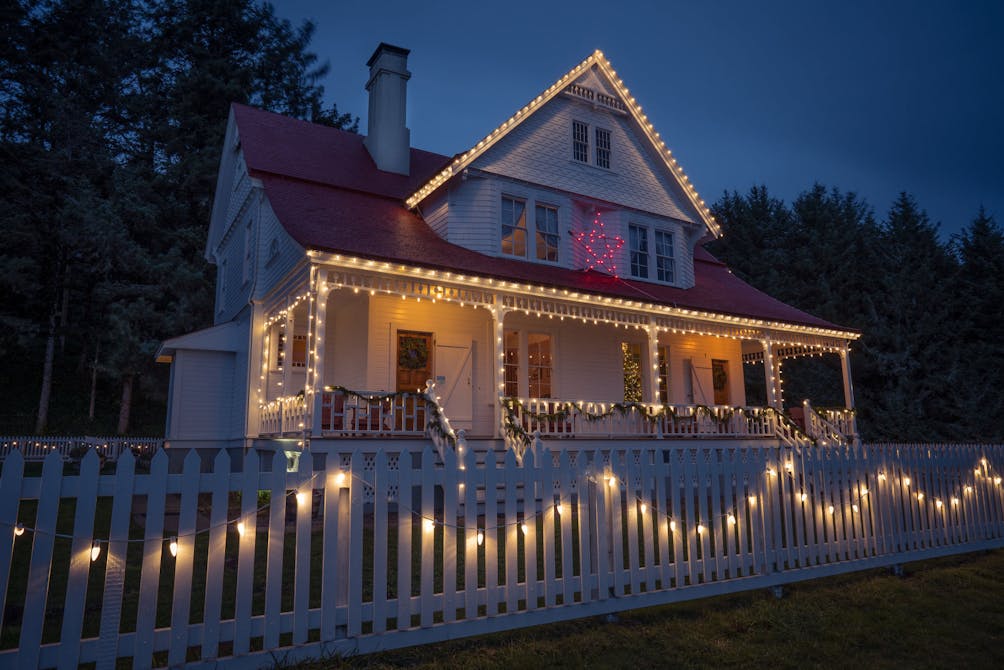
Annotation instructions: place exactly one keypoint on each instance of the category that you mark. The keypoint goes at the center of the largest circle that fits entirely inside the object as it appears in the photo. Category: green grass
(945, 613)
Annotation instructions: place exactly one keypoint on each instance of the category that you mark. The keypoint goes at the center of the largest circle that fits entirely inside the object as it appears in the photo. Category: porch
(374, 355)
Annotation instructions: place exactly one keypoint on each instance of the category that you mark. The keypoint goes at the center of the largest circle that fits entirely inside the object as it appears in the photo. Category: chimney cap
(383, 46)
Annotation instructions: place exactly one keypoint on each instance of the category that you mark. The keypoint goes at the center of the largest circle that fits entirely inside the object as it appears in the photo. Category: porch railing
(345, 412)
(284, 415)
(830, 427)
(565, 418)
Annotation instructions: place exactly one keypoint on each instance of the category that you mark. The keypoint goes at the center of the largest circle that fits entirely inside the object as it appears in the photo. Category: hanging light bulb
(430, 525)
(172, 546)
(240, 528)
(481, 537)
(523, 528)
(95, 550)
(19, 530)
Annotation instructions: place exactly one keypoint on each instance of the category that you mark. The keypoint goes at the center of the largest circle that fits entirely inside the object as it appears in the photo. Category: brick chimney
(387, 138)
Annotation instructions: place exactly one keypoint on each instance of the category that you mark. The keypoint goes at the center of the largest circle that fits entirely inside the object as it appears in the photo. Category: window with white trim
(513, 227)
(538, 350)
(580, 141)
(537, 365)
(638, 246)
(664, 270)
(546, 227)
(603, 148)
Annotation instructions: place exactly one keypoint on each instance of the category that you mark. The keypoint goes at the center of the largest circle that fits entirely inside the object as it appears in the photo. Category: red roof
(329, 196)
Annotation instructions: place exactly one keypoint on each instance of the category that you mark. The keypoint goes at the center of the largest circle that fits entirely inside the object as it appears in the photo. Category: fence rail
(387, 548)
(38, 447)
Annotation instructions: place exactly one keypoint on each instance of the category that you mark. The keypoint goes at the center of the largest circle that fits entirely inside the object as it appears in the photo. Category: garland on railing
(514, 428)
(436, 421)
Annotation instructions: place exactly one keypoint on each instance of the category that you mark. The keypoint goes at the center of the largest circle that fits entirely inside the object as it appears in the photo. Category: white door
(453, 380)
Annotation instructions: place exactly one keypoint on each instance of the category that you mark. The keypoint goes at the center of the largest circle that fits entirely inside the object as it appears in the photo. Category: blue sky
(871, 97)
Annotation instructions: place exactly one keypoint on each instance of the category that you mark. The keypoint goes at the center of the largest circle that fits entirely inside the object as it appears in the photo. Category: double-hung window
(537, 366)
(580, 141)
(546, 240)
(603, 148)
(664, 256)
(513, 227)
(638, 246)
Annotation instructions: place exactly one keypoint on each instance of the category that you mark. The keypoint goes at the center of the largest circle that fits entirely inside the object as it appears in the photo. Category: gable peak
(597, 71)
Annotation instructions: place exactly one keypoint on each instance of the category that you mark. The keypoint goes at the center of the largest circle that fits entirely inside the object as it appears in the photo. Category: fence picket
(10, 502)
(381, 486)
(354, 576)
(276, 540)
(405, 520)
(472, 484)
(512, 476)
(428, 535)
(153, 546)
(564, 520)
(218, 530)
(491, 534)
(301, 570)
(529, 529)
(250, 484)
(80, 561)
(118, 542)
(585, 492)
(451, 484)
(181, 601)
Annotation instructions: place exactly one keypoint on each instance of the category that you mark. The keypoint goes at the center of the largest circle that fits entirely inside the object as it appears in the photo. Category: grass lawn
(945, 613)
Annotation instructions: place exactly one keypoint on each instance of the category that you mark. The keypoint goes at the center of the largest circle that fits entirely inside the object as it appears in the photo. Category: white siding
(540, 151)
(474, 214)
(700, 351)
(435, 212)
(205, 389)
(277, 253)
(346, 340)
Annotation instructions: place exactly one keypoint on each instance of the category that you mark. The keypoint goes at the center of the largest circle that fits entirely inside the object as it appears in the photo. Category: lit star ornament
(601, 248)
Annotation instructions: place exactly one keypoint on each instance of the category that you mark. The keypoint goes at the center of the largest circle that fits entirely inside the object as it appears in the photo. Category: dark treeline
(930, 362)
(112, 114)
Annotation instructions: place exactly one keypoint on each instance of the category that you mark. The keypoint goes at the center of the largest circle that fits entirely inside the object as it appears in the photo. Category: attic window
(603, 148)
(580, 141)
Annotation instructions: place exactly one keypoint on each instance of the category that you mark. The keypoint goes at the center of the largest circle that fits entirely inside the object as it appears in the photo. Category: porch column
(653, 359)
(773, 397)
(288, 326)
(498, 313)
(845, 367)
(315, 393)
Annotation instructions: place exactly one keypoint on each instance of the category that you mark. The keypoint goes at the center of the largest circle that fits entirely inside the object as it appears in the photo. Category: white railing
(392, 548)
(283, 416)
(38, 447)
(842, 420)
(368, 413)
(565, 418)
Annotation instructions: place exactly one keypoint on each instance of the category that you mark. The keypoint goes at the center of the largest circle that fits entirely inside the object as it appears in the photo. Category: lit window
(638, 240)
(580, 141)
(602, 148)
(632, 371)
(538, 349)
(298, 357)
(546, 223)
(511, 363)
(513, 227)
(664, 256)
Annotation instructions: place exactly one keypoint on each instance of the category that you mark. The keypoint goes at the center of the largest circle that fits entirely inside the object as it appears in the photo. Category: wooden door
(414, 360)
(720, 381)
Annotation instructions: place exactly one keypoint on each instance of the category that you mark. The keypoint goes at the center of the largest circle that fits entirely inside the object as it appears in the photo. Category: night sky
(871, 97)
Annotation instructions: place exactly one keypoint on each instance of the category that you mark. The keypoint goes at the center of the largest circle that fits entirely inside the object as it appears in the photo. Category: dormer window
(664, 270)
(580, 141)
(638, 241)
(513, 227)
(546, 224)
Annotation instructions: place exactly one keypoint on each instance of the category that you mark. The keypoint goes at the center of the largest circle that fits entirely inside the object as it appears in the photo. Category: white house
(549, 279)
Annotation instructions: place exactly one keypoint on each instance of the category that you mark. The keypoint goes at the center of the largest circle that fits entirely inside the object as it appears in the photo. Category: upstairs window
(546, 224)
(664, 256)
(513, 227)
(638, 241)
(603, 148)
(580, 141)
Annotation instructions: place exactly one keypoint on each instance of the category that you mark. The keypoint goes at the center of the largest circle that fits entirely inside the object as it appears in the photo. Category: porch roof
(329, 196)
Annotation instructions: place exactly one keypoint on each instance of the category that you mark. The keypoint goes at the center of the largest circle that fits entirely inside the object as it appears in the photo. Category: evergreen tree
(980, 293)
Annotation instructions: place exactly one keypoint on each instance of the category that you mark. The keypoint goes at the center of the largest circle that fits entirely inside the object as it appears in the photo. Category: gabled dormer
(578, 178)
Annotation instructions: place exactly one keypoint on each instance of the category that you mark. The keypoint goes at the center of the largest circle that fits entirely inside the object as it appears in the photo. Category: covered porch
(378, 350)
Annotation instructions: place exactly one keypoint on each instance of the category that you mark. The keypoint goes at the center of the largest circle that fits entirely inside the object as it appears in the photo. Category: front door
(720, 380)
(414, 360)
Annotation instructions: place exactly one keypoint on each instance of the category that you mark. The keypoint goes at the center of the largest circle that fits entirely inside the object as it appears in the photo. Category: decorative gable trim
(568, 84)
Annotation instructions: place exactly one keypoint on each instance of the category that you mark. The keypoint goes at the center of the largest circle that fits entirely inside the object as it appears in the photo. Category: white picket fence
(381, 549)
(37, 447)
